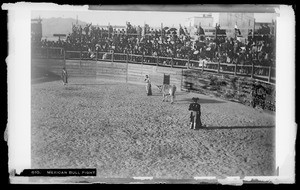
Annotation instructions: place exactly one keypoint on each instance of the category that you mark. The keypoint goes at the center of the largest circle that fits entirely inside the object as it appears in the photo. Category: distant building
(227, 21)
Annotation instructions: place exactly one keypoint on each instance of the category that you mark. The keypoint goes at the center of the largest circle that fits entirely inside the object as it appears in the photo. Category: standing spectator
(195, 109)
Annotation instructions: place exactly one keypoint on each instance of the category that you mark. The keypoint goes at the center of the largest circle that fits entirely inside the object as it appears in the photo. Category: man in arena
(148, 86)
(195, 120)
(64, 76)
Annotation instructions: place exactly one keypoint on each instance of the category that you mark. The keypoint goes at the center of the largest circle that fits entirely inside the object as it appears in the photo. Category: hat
(195, 98)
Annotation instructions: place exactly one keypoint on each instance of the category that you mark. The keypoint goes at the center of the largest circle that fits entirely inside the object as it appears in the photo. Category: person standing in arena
(195, 120)
(64, 76)
(148, 86)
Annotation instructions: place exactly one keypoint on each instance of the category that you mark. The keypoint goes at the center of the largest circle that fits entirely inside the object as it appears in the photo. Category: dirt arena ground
(117, 129)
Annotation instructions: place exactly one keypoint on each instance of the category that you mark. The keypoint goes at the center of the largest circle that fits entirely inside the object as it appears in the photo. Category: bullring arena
(103, 119)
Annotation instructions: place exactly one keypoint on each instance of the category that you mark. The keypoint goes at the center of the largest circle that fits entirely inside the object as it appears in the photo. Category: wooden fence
(259, 72)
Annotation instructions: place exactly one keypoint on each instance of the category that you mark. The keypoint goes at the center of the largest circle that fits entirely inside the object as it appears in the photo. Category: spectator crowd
(167, 42)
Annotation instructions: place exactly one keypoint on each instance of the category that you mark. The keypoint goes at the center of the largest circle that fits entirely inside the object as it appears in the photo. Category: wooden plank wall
(123, 72)
(137, 72)
(77, 68)
(111, 71)
(53, 65)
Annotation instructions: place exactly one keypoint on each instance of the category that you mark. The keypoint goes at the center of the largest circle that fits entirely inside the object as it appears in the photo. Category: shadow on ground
(40, 75)
(91, 84)
(200, 101)
(234, 127)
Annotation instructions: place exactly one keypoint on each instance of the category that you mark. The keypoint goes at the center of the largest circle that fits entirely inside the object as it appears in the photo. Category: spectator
(168, 45)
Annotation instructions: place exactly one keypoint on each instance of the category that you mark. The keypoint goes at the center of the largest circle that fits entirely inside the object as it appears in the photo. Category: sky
(153, 18)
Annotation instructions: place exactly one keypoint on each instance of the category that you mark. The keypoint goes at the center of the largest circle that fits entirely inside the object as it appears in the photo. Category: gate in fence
(166, 79)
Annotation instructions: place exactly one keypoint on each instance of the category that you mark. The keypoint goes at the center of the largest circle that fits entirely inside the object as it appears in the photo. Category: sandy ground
(117, 129)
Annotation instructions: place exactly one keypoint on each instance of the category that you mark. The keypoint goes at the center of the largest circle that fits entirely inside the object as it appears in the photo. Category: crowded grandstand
(175, 43)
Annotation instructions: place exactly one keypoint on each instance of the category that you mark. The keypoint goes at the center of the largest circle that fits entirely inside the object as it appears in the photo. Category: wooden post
(64, 57)
(80, 57)
(96, 55)
(161, 30)
(96, 69)
(126, 29)
(108, 30)
(235, 68)
(172, 62)
(127, 57)
(126, 72)
(218, 66)
(216, 35)
(253, 30)
(188, 63)
(156, 60)
(270, 70)
(252, 70)
(144, 30)
(112, 56)
(202, 65)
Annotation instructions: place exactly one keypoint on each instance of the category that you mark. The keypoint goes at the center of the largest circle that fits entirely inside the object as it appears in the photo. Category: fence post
(270, 70)
(188, 63)
(97, 55)
(127, 72)
(252, 70)
(127, 57)
(235, 68)
(172, 62)
(112, 56)
(142, 58)
(156, 60)
(202, 66)
(64, 57)
(218, 66)
(80, 57)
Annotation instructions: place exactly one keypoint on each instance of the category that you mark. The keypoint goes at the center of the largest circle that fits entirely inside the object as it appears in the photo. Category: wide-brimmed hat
(195, 99)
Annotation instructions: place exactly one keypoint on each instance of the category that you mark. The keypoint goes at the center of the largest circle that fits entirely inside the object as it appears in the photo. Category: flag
(201, 31)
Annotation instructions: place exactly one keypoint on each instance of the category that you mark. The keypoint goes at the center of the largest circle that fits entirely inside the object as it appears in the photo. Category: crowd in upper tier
(167, 42)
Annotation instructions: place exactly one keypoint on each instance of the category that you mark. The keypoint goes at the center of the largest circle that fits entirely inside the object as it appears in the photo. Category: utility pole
(253, 30)
(235, 30)
(216, 35)
(126, 29)
(108, 29)
(161, 30)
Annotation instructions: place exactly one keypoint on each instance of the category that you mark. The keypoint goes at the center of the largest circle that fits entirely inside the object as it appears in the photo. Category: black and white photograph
(169, 95)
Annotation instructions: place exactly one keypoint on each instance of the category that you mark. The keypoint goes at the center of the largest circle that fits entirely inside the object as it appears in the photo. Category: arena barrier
(230, 81)
(252, 70)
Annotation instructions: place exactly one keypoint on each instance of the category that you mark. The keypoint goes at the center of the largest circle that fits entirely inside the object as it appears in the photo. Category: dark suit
(195, 121)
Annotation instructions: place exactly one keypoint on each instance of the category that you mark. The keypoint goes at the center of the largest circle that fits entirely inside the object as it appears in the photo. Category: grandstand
(169, 46)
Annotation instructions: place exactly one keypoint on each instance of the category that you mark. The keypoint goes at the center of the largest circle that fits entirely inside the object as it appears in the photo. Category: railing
(48, 53)
(264, 73)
